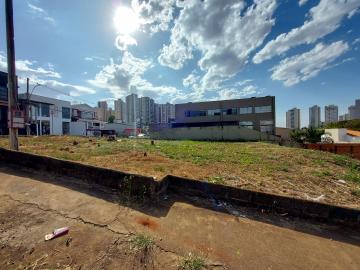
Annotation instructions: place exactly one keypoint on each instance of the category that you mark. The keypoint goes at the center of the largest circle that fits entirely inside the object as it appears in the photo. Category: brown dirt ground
(305, 174)
(32, 204)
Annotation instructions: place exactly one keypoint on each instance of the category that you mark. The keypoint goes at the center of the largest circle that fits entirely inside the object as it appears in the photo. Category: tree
(111, 119)
(310, 135)
(350, 124)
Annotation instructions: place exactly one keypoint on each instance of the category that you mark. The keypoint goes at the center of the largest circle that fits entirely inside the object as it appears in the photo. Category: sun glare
(126, 20)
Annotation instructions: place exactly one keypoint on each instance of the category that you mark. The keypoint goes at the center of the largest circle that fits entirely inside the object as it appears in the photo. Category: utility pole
(12, 85)
(27, 110)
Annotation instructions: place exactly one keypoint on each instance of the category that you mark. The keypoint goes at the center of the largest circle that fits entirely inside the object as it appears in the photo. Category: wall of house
(215, 133)
(340, 135)
(78, 128)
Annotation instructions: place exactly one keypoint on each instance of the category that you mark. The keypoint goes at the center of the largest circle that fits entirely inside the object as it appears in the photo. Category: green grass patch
(192, 262)
(322, 173)
(141, 242)
(355, 192)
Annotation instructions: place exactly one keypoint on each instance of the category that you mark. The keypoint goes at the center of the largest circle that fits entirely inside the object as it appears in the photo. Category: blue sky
(303, 52)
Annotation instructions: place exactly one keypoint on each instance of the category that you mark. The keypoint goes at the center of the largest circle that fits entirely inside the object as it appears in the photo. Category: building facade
(344, 117)
(147, 111)
(252, 113)
(314, 116)
(293, 118)
(132, 109)
(102, 111)
(354, 110)
(164, 113)
(331, 114)
(48, 116)
(120, 111)
(84, 120)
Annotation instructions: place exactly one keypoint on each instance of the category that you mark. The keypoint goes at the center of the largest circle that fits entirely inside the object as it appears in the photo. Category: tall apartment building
(331, 114)
(147, 111)
(344, 117)
(293, 118)
(102, 111)
(314, 116)
(120, 111)
(354, 110)
(132, 109)
(164, 113)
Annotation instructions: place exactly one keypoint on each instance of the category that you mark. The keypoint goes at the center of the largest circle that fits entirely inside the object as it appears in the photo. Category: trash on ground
(341, 181)
(317, 199)
(57, 233)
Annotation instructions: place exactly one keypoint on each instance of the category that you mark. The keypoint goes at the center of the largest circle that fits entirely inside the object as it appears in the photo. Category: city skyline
(168, 56)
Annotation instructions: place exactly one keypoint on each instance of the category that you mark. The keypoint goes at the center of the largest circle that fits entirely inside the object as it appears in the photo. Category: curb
(138, 185)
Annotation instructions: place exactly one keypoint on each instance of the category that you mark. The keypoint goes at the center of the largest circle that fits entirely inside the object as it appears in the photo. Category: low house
(84, 120)
(343, 135)
(47, 116)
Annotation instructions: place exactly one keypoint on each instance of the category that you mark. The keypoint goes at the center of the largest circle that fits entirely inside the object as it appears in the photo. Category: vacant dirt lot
(266, 167)
(103, 226)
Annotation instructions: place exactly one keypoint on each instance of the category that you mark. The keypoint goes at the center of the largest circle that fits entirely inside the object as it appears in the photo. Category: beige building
(102, 111)
(293, 118)
(331, 114)
(120, 111)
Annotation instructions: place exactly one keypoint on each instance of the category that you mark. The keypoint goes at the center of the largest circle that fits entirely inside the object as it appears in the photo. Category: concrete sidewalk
(102, 222)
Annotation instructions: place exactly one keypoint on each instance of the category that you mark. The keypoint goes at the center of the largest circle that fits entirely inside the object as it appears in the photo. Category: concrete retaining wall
(137, 185)
(132, 184)
(215, 133)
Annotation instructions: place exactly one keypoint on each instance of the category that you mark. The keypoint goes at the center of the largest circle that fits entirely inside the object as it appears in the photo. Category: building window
(267, 126)
(195, 113)
(246, 124)
(229, 111)
(65, 113)
(214, 112)
(263, 109)
(245, 110)
(45, 110)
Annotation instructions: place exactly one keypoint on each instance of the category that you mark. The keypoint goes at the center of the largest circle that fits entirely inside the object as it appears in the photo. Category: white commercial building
(293, 118)
(331, 114)
(48, 116)
(314, 116)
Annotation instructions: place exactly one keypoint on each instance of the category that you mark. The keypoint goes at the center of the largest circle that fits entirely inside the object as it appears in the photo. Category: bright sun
(126, 20)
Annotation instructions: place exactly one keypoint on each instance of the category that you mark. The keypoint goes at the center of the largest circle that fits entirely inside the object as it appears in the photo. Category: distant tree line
(306, 135)
(349, 124)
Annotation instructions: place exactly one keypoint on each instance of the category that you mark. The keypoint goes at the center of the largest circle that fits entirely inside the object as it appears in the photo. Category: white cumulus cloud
(156, 13)
(126, 77)
(323, 19)
(225, 32)
(304, 66)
